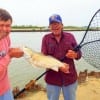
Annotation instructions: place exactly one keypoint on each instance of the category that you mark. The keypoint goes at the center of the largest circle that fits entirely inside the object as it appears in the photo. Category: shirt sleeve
(74, 42)
(44, 46)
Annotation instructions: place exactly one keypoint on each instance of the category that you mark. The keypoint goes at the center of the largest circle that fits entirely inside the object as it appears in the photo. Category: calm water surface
(20, 71)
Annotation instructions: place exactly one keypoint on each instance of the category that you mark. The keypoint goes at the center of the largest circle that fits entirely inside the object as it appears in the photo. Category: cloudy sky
(37, 12)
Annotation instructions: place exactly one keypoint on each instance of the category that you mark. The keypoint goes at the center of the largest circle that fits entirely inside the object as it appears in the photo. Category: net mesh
(91, 44)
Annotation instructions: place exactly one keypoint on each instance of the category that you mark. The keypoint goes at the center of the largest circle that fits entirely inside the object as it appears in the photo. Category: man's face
(5, 28)
(56, 28)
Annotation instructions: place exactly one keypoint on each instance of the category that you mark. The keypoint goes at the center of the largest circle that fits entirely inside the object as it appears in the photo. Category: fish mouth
(26, 54)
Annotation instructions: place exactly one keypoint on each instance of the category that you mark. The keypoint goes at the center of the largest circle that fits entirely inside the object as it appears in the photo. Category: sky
(37, 12)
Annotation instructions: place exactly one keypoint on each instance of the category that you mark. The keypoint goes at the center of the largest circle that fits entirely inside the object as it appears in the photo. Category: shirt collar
(52, 35)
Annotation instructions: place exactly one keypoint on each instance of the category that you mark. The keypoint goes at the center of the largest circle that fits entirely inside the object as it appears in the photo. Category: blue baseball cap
(55, 18)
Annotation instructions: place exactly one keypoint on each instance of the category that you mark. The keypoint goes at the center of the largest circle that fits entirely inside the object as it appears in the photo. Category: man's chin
(56, 34)
(3, 35)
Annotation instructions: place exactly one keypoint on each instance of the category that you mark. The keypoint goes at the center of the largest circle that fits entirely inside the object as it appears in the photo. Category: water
(20, 71)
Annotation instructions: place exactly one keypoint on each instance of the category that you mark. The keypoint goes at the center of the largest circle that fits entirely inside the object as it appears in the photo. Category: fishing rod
(27, 86)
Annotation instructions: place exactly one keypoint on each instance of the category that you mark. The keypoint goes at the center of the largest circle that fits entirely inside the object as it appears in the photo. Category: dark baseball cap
(55, 18)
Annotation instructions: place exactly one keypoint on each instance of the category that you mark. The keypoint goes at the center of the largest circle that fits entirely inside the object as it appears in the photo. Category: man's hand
(65, 68)
(71, 54)
(15, 52)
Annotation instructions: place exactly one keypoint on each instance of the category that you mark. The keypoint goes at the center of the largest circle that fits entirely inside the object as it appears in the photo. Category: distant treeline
(26, 28)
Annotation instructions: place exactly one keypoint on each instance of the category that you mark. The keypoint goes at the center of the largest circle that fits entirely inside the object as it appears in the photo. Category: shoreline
(89, 90)
(26, 30)
(45, 30)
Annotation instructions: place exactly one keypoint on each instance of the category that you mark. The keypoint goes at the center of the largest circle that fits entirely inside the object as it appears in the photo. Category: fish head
(27, 52)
